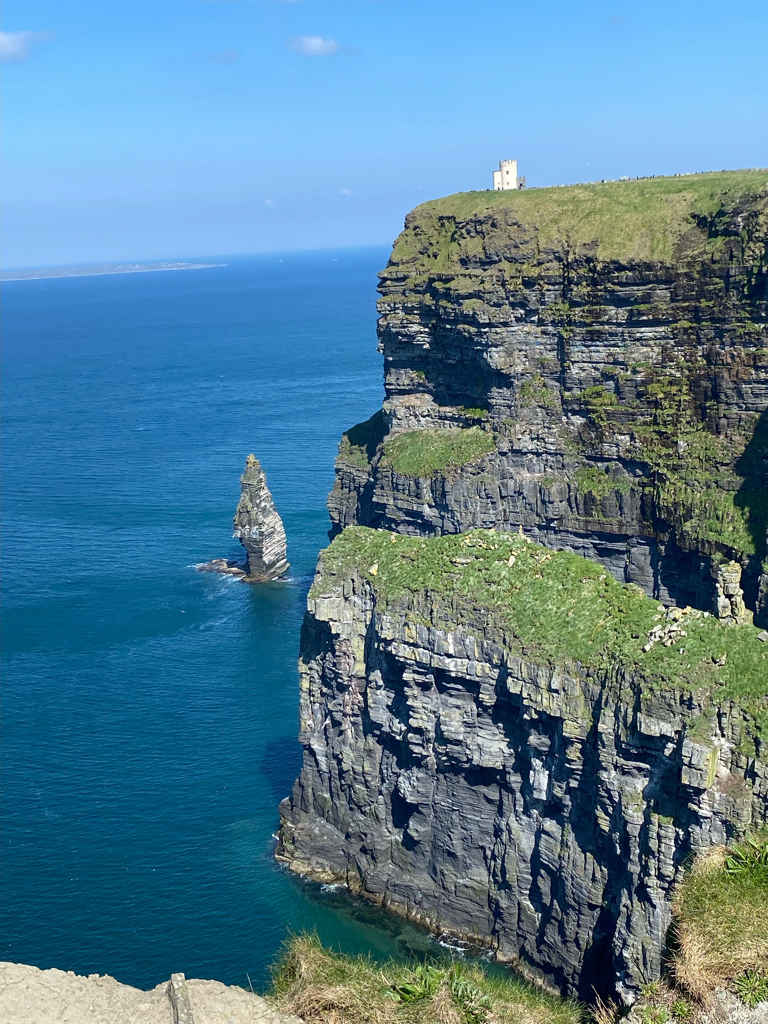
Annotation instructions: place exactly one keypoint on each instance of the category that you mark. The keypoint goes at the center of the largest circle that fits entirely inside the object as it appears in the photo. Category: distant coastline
(40, 273)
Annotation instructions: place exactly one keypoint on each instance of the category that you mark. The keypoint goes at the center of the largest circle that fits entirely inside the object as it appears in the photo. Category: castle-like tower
(506, 177)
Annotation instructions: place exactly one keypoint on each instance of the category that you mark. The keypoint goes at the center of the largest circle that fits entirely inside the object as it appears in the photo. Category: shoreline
(100, 270)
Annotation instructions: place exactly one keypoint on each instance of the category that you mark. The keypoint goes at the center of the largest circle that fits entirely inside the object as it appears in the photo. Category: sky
(168, 129)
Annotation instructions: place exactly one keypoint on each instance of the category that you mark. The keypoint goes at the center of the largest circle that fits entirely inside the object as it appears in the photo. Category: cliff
(504, 743)
(504, 739)
(588, 362)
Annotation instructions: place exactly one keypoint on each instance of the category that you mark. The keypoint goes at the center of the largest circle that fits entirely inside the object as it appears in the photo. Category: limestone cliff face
(463, 770)
(259, 527)
(508, 742)
(611, 340)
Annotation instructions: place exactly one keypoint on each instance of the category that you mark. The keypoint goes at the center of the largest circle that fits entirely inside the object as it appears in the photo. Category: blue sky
(175, 128)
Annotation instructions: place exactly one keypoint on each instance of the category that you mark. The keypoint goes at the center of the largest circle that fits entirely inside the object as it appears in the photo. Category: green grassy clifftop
(558, 606)
(608, 345)
(650, 219)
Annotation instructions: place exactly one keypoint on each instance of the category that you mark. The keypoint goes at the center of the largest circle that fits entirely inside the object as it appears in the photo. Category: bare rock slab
(32, 996)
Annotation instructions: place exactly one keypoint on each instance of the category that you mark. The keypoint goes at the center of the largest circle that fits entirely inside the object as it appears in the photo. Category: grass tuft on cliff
(646, 219)
(553, 605)
(721, 922)
(420, 453)
(323, 987)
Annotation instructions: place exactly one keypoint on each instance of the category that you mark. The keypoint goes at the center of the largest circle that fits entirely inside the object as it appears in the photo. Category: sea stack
(259, 527)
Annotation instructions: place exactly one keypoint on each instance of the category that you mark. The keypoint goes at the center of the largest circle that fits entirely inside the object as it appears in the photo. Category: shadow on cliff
(369, 434)
(752, 497)
(599, 970)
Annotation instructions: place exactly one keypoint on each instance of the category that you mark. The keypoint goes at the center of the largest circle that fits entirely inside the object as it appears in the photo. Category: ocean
(150, 711)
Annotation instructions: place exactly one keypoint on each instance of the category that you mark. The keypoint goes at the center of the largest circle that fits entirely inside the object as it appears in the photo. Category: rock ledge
(32, 996)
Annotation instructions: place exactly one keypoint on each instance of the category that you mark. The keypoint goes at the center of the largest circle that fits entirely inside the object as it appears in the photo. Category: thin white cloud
(18, 45)
(345, 191)
(268, 202)
(313, 46)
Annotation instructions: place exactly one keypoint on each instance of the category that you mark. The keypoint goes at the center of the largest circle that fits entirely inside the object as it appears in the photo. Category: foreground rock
(31, 996)
(504, 743)
(259, 527)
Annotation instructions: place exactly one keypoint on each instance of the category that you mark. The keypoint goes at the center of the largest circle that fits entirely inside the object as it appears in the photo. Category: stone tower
(506, 178)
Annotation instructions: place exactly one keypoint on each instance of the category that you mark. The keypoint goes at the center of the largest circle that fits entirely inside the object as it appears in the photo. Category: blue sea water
(150, 711)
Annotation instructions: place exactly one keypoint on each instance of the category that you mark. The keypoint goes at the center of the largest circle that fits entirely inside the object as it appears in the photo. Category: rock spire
(259, 527)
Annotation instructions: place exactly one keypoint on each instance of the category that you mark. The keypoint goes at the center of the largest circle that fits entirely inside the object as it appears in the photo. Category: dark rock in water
(225, 566)
(259, 527)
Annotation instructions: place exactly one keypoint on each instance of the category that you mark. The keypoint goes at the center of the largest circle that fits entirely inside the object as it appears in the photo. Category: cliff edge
(506, 744)
(531, 686)
(590, 363)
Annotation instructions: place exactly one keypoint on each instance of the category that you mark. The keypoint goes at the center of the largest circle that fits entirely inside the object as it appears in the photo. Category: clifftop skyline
(197, 127)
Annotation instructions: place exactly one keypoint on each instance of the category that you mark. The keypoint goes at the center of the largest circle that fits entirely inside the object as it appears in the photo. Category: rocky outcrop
(612, 342)
(259, 527)
(505, 744)
(32, 996)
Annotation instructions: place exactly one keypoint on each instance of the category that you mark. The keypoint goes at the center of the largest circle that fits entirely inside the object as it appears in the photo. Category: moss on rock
(557, 606)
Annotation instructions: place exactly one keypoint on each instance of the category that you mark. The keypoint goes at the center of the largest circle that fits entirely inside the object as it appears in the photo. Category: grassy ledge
(420, 453)
(629, 220)
(323, 987)
(556, 606)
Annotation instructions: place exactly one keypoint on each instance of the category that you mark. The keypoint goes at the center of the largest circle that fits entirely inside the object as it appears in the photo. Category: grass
(555, 606)
(420, 453)
(721, 922)
(591, 480)
(324, 987)
(692, 471)
(628, 220)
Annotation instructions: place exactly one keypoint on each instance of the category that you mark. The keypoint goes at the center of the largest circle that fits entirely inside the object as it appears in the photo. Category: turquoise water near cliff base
(150, 711)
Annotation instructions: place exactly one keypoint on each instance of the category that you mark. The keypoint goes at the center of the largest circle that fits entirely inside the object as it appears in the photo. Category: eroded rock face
(544, 809)
(625, 387)
(621, 370)
(259, 527)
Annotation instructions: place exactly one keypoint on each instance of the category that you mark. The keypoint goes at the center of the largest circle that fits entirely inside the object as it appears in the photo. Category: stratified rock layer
(462, 770)
(588, 365)
(259, 527)
(612, 341)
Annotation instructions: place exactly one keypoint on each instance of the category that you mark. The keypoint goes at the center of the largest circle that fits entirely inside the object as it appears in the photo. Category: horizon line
(181, 263)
